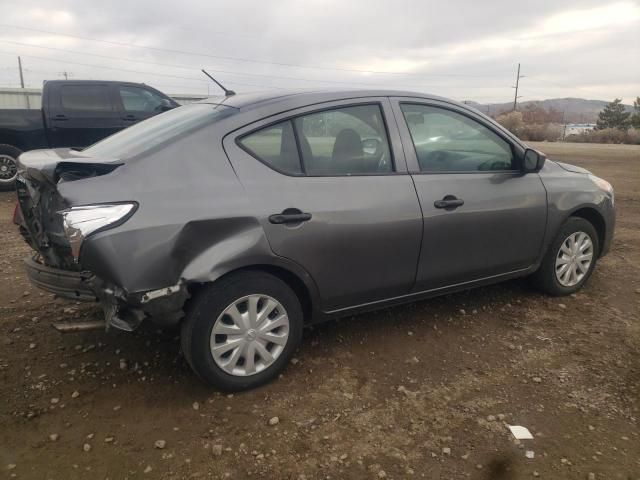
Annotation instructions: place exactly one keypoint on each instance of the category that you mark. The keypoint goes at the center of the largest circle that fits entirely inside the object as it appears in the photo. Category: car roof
(70, 82)
(250, 100)
(255, 105)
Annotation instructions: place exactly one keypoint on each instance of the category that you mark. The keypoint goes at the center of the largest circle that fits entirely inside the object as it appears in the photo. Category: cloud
(463, 49)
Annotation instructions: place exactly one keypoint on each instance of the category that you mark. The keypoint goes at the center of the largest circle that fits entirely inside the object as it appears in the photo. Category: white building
(578, 128)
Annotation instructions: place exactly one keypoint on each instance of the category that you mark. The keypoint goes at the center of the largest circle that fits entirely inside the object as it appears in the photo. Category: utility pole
(515, 98)
(20, 69)
(65, 74)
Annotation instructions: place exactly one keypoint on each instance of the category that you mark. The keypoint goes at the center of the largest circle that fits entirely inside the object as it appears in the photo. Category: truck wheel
(570, 260)
(8, 166)
(241, 331)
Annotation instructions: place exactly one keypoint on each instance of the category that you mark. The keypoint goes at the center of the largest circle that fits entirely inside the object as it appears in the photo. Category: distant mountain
(577, 110)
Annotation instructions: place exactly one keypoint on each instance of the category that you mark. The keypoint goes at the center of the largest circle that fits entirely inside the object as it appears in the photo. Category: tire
(547, 279)
(8, 166)
(208, 308)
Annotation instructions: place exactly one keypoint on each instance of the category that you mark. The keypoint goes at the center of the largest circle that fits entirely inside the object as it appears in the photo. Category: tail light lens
(80, 222)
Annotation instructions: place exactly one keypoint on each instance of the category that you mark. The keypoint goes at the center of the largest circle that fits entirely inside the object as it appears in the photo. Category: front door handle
(129, 118)
(290, 215)
(60, 118)
(449, 201)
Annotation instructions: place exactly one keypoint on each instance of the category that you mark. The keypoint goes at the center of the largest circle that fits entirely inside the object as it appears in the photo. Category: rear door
(483, 217)
(80, 114)
(329, 184)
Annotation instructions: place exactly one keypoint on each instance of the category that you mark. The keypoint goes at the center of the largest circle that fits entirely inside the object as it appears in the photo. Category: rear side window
(335, 142)
(344, 141)
(89, 98)
(276, 147)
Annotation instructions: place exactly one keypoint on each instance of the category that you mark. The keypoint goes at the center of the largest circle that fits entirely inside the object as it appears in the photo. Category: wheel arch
(11, 144)
(596, 219)
(304, 290)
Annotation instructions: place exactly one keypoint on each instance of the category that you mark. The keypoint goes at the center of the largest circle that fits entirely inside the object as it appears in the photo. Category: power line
(241, 59)
(568, 87)
(232, 72)
(151, 74)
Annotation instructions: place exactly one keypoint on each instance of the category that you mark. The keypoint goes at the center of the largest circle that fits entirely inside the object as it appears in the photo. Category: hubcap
(574, 259)
(249, 335)
(8, 168)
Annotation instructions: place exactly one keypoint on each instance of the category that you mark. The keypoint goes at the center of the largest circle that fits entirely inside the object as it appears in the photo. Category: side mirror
(165, 105)
(533, 160)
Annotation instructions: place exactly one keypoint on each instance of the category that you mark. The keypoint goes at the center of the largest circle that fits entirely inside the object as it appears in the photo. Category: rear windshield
(162, 128)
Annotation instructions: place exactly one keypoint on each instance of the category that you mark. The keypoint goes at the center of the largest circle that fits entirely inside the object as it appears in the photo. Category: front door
(138, 103)
(330, 187)
(483, 217)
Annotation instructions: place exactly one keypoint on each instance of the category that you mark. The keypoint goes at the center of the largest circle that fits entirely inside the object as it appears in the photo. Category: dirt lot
(421, 391)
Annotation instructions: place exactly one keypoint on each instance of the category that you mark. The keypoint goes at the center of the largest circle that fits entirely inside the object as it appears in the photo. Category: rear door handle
(60, 118)
(290, 217)
(449, 201)
(130, 118)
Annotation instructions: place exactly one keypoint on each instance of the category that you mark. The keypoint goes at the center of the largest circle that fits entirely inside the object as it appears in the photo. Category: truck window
(136, 99)
(85, 98)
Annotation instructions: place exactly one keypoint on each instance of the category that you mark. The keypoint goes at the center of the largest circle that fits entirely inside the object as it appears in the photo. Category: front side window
(275, 146)
(136, 99)
(344, 141)
(447, 141)
(89, 98)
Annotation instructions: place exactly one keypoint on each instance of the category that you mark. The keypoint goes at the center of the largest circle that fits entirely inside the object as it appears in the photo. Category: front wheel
(8, 166)
(570, 260)
(241, 331)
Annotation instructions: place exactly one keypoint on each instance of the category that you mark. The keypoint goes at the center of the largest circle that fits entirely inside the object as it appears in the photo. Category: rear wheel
(241, 331)
(8, 166)
(570, 260)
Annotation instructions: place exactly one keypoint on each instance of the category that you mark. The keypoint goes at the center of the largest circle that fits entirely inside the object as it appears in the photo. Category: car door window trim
(238, 142)
(291, 118)
(512, 145)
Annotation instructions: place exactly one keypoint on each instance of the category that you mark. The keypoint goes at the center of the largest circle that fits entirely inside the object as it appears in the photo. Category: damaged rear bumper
(63, 283)
(122, 310)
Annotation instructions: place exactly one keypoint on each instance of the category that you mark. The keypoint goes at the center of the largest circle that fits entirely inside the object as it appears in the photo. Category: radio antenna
(227, 93)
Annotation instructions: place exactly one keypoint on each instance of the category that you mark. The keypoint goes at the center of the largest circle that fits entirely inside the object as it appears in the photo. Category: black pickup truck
(74, 114)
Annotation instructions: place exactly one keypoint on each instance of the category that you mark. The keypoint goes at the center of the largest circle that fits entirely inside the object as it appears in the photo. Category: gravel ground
(420, 391)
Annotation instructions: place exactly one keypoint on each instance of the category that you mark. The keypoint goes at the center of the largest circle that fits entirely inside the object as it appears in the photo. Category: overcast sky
(464, 49)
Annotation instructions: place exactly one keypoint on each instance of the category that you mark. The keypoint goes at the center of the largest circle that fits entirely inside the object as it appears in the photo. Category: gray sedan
(244, 218)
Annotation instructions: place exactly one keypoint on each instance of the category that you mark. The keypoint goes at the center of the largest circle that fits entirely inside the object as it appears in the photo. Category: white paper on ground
(521, 433)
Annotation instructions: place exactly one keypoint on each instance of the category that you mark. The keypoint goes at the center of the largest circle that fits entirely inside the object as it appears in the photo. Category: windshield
(156, 130)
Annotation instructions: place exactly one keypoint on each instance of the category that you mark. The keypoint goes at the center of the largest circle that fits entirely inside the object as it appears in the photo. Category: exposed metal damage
(121, 310)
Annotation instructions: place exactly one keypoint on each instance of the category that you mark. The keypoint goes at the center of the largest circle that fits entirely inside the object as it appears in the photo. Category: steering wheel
(147, 106)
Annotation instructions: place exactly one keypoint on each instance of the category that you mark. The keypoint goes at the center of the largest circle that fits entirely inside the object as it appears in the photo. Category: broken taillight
(80, 222)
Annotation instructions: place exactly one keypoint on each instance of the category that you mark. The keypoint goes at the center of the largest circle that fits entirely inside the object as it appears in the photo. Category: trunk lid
(39, 200)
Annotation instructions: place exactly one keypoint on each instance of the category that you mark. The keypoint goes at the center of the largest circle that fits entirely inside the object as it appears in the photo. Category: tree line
(614, 125)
